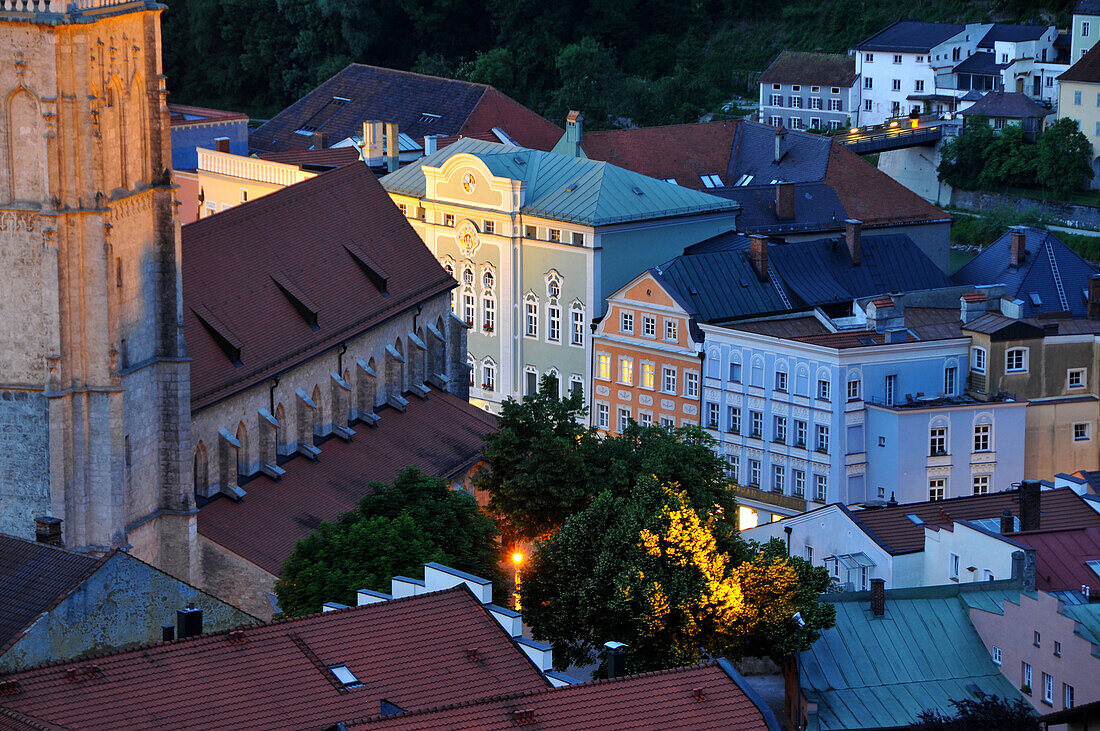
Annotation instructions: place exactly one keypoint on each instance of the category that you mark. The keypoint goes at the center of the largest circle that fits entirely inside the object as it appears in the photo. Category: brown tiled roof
(179, 113)
(893, 530)
(33, 578)
(811, 69)
(302, 234)
(442, 436)
(1087, 68)
(1061, 556)
(695, 697)
(784, 327)
(330, 157)
(419, 104)
(680, 151)
(411, 652)
(871, 195)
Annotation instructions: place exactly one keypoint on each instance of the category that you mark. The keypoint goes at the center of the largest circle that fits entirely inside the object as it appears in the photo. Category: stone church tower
(94, 392)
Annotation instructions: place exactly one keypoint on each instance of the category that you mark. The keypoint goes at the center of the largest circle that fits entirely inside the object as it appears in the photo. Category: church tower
(94, 391)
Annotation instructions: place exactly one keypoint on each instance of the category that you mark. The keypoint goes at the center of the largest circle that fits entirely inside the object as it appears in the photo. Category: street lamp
(517, 560)
(800, 623)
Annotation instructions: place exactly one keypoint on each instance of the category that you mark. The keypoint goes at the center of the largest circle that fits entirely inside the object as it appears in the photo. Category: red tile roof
(304, 235)
(442, 436)
(893, 530)
(872, 196)
(1061, 557)
(696, 697)
(411, 652)
(33, 578)
(680, 151)
(330, 157)
(179, 115)
(521, 124)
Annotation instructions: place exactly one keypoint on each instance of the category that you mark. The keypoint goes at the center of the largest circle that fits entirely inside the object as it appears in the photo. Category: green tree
(963, 158)
(1011, 160)
(1064, 157)
(394, 531)
(592, 83)
(646, 569)
(983, 711)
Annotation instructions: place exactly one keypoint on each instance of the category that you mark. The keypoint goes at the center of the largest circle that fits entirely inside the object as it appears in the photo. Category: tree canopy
(394, 531)
(646, 568)
(983, 711)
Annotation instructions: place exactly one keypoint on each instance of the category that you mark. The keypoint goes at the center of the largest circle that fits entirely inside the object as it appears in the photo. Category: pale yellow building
(226, 180)
(1079, 99)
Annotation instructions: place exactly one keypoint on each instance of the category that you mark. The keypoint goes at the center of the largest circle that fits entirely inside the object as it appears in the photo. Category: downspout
(340, 359)
(271, 396)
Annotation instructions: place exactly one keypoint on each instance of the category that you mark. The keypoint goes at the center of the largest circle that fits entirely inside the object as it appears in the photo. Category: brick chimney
(758, 255)
(221, 144)
(47, 530)
(320, 140)
(780, 144)
(393, 146)
(616, 659)
(784, 201)
(1017, 246)
(1030, 503)
(878, 597)
(853, 236)
(372, 143)
(1094, 296)
(1008, 523)
(574, 133)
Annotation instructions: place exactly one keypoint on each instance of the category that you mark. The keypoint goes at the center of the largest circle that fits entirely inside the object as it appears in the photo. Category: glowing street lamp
(517, 561)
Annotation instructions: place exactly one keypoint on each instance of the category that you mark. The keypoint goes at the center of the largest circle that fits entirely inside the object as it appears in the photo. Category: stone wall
(1066, 214)
(24, 461)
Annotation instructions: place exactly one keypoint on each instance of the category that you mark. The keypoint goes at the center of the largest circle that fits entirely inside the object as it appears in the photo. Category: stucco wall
(990, 556)
(123, 604)
(185, 138)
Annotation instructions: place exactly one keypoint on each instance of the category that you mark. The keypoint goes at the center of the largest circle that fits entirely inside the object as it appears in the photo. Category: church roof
(279, 280)
(419, 104)
(567, 188)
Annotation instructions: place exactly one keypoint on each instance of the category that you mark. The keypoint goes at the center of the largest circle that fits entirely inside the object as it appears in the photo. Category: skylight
(427, 118)
(711, 181)
(1036, 299)
(1094, 565)
(744, 179)
(917, 520)
(345, 676)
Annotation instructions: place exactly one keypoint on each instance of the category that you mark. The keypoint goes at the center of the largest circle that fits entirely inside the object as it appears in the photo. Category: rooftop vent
(519, 160)
(427, 118)
(637, 191)
(345, 676)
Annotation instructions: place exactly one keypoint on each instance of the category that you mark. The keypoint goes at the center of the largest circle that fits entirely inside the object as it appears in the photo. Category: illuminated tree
(646, 568)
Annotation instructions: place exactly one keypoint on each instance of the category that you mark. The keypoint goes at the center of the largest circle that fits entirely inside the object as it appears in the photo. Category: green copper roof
(1088, 616)
(566, 188)
(882, 672)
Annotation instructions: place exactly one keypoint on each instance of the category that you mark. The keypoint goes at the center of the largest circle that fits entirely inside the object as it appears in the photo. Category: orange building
(647, 365)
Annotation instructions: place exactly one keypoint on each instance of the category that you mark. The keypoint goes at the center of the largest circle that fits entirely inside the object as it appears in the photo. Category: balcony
(248, 168)
(779, 500)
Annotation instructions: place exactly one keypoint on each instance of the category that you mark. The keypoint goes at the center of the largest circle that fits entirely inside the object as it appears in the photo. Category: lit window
(670, 330)
(603, 367)
(1016, 360)
(936, 489)
(626, 371)
(448, 219)
(981, 437)
(555, 234)
(747, 518)
(647, 375)
(937, 440)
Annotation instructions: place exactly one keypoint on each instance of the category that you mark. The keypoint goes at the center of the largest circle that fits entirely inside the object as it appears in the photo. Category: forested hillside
(621, 61)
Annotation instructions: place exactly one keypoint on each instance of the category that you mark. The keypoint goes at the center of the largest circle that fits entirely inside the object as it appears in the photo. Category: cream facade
(1080, 101)
(226, 180)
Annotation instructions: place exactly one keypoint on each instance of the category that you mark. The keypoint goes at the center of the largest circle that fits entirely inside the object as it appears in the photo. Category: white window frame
(603, 415)
(649, 326)
(626, 322)
(983, 437)
(978, 361)
(553, 323)
(853, 389)
(821, 488)
(954, 565)
(997, 656)
(672, 330)
(1048, 689)
(1081, 431)
(489, 375)
(626, 370)
(531, 317)
(576, 326)
(648, 375)
(981, 484)
(1016, 360)
(1077, 378)
(937, 441)
(691, 384)
(937, 489)
(603, 366)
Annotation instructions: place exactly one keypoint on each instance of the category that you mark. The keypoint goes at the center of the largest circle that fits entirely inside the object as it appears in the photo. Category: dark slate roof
(1087, 7)
(1012, 33)
(1086, 69)
(1045, 254)
(325, 159)
(420, 105)
(818, 69)
(304, 235)
(816, 208)
(1011, 104)
(665, 699)
(979, 63)
(910, 36)
(806, 156)
(33, 578)
(441, 436)
(413, 652)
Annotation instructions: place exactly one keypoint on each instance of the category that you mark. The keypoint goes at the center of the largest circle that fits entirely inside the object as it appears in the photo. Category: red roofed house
(322, 348)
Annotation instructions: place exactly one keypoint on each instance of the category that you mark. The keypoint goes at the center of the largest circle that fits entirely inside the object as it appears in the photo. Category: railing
(250, 168)
(57, 7)
(770, 498)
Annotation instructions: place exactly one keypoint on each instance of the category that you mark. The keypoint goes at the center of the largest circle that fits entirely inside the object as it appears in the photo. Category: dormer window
(711, 181)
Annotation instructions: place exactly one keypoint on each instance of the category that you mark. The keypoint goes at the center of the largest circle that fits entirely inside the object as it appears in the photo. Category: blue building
(210, 129)
(811, 409)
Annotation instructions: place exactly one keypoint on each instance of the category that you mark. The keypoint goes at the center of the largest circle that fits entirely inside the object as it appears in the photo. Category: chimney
(616, 659)
(221, 144)
(1030, 496)
(1023, 569)
(897, 335)
(784, 201)
(574, 133)
(167, 633)
(885, 314)
(393, 146)
(1094, 296)
(372, 143)
(780, 143)
(430, 144)
(1008, 523)
(972, 306)
(853, 235)
(189, 621)
(320, 140)
(758, 255)
(1016, 246)
(878, 597)
(48, 530)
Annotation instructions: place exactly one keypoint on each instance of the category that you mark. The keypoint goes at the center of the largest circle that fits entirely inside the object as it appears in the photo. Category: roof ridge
(735, 121)
(418, 74)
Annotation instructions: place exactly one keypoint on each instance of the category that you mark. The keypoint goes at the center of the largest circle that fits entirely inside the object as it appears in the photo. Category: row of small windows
(553, 321)
(780, 434)
(795, 102)
(647, 375)
(895, 84)
(937, 487)
(649, 326)
(624, 416)
(778, 476)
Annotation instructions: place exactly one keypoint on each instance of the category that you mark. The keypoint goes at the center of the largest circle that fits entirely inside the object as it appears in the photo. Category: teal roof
(882, 672)
(566, 188)
(1088, 616)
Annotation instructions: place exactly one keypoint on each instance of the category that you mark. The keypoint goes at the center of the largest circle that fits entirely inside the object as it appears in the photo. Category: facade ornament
(20, 63)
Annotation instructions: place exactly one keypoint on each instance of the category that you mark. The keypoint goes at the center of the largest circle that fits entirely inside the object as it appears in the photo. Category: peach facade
(646, 365)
